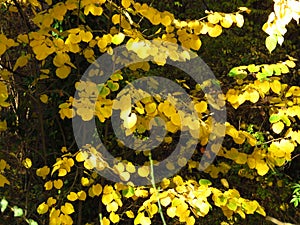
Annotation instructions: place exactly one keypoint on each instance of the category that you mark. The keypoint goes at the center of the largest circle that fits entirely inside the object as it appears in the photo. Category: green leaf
(232, 205)
(3, 204)
(238, 73)
(274, 118)
(205, 182)
(127, 193)
(286, 120)
(253, 69)
(271, 43)
(32, 222)
(18, 212)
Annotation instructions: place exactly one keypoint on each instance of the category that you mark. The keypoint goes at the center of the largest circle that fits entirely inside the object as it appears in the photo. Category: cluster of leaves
(61, 37)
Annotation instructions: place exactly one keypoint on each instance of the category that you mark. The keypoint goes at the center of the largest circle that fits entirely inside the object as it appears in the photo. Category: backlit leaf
(271, 42)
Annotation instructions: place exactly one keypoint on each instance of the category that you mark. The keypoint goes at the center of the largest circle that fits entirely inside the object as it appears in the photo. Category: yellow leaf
(42, 208)
(253, 95)
(48, 185)
(214, 18)
(72, 196)
(62, 172)
(63, 71)
(67, 208)
(276, 86)
(226, 21)
(130, 167)
(3, 181)
(85, 181)
(105, 221)
(144, 171)
(200, 107)
(43, 172)
(86, 36)
(81, 156)
(27, 163)
(261, 167)
(81, 195)
(239, 20)
(51, 201)
(2, 48)
(112, 207)
(44, 98)
(171, 211)
(126, 3)
(130, 214)
(224, 182)
(118, 38)
(115, 218)
(58, 184)
(21, 61)
(141, 219)
(130, 121)
(97, 189)
(125, 176)
(150, 107)
(3, 124)
(175, 119)
(278, 127)
(215, 31)
(165, 201)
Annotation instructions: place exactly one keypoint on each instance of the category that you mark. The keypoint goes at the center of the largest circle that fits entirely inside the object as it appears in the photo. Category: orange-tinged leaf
(67, 208)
